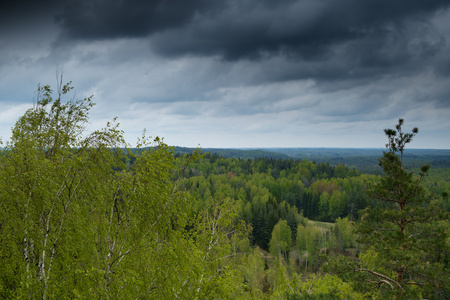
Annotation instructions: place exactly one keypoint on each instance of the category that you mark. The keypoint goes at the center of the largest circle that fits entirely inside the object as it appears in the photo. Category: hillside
(364, 159)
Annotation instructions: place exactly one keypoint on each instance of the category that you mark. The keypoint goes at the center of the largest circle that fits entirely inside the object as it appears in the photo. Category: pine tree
(405, 235)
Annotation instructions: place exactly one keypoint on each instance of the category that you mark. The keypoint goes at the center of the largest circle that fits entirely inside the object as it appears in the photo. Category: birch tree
(76, 222)
(46, 169)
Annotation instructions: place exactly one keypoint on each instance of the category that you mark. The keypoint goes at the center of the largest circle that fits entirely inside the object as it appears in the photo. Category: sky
(237, 73)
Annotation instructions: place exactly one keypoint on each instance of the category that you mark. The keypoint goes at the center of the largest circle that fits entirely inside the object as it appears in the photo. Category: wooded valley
(86, 215)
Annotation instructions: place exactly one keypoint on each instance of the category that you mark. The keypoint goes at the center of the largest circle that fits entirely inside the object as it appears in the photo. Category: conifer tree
(405, 234)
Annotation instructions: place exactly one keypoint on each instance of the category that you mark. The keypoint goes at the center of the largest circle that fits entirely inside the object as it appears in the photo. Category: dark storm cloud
(100, 19)
(331, 39)
(14, 10)
(234, 29)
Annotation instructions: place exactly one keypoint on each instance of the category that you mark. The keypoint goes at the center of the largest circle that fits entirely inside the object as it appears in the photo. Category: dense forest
(364, 160)
(85, 215)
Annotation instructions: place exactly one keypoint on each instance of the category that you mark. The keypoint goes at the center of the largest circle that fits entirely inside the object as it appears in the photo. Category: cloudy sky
(238, 73)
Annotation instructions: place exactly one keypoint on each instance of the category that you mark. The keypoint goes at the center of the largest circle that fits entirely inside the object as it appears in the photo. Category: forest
(85, 215)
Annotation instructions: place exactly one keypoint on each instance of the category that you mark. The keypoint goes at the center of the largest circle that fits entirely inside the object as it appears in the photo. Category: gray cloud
(326, 39)
(100, 19)
(347, 42)
(238, 72)
(244, 29)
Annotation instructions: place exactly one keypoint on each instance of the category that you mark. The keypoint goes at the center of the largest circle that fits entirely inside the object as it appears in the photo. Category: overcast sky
(238, 73)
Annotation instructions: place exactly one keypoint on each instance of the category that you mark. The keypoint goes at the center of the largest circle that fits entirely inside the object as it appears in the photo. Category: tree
(307, 243)
(76, 222)
(404, 232)
(50, 169)
(253, 272)
(281, 241)
(343, 231)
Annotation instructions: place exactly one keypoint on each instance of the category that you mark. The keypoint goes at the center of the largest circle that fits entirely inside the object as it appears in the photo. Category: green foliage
(308, 244)
(84, 216)
(76, 222)
(313, 286)
(49, 172)
(254, 274)
(343, 231)
(281, 241)
(406, 237)
(286, 190)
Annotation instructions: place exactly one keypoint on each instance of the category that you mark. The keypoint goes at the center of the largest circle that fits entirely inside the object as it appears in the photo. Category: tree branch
(382, 277)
